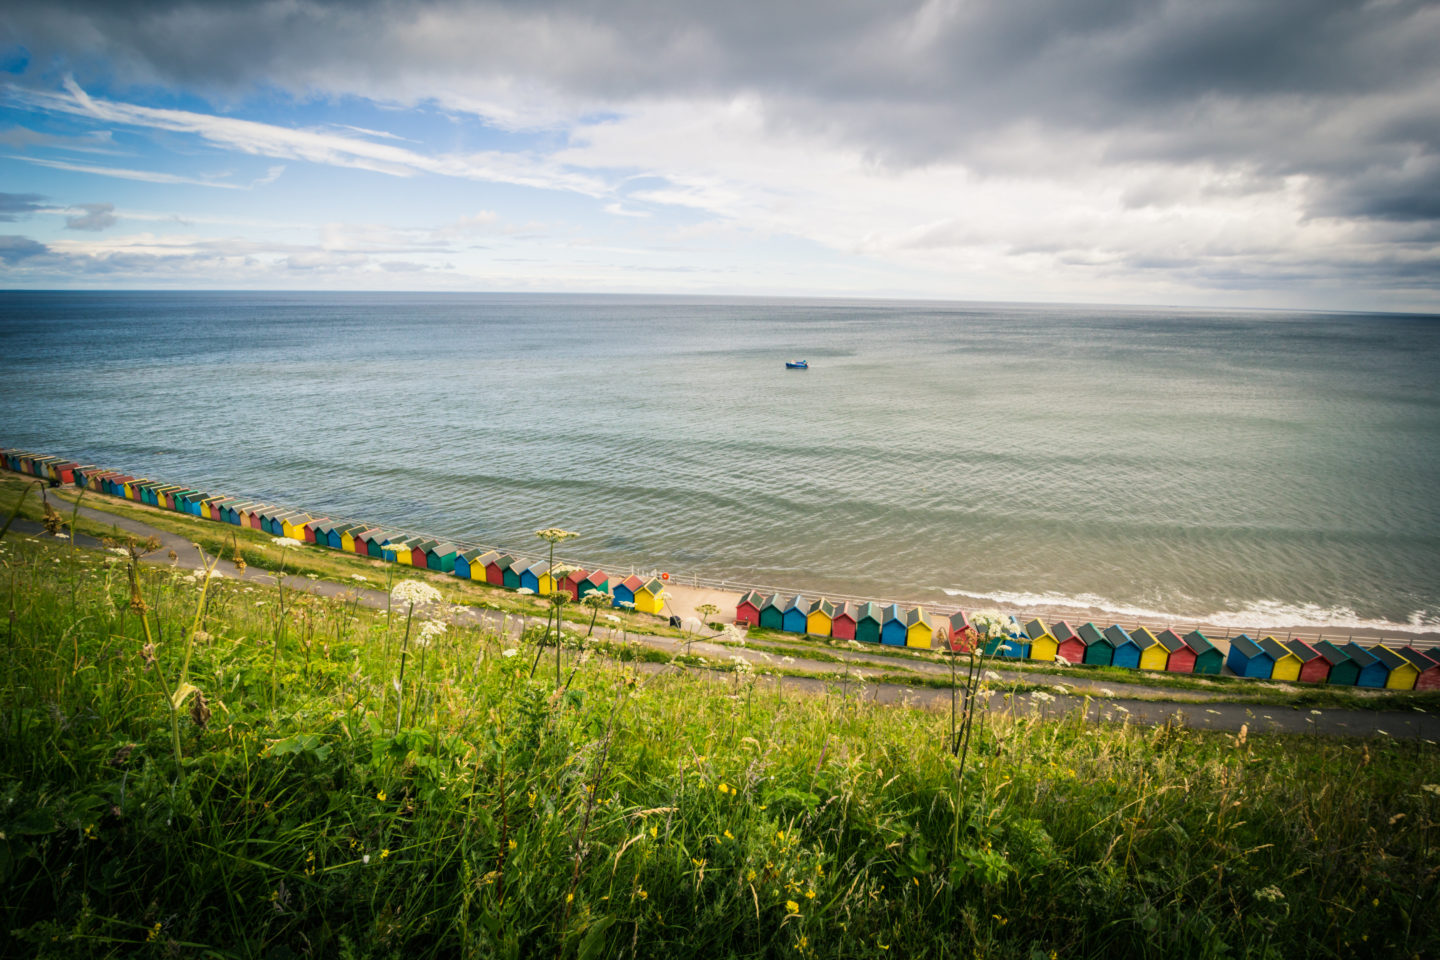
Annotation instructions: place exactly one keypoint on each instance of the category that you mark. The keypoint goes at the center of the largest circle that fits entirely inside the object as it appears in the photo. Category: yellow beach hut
(1043, 645)
(1403, 673)
(820, 618)
(919, 631)
(1153, 655)
(1287, 665)
(650, 597)
(545, 582)
(294, 525)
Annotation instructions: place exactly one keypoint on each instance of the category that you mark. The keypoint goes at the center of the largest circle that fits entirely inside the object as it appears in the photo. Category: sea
(1245, 468)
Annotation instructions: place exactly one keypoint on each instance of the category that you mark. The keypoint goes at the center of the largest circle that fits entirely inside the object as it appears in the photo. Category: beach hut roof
(917, 616)
(1117, 636)
(1423, 659)
(1331, 652)
(633, 583)
(505, 561)
(1303, 650)
(797, 602)
(1143, 638)
(869, 611)
(893, 612)
(485, 559)
(538, 569)
(1171, 640)
(422, 544)
(1091, 634)
(958, 620)
(1277, 650)
(1390, 658)
(442, 549)
(772, 600)
(1248, 648)
(1362, 657)
(467, 556)
(1198, 642)
(846, 610)
(823, 606)
(596, 577)
(1062, 631)
(1036, 628)
(654, 586)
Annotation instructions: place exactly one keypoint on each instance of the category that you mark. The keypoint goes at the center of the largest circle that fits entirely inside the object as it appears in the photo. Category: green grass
(637, 812)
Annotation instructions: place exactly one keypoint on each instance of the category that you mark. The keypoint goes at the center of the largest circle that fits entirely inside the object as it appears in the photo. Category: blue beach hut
(530, 576)
(1247, 659)
(892, 626)
(1372, 673)
(793, 617)
(624, 594)
(1016, 646)
(1127, 651)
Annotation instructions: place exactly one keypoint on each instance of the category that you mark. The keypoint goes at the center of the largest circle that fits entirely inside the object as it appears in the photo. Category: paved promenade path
(1107, 700)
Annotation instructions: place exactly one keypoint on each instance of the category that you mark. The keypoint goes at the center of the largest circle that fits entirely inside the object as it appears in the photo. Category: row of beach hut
(1349, 664)
(643, 594)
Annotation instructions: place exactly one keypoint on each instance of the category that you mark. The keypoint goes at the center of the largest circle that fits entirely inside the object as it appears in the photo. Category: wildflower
(802, 943)
(810, 894)
(569, 898)
(510, 652)
(525, 592)
(356, 576)
(119, 551)
(750, 876)
(1271, 894)
(513, 844)
(654, 833)
(792, 907)
(384, 853)
(992, 676)
(1106, 692)
(312, 576)
(429, 630)
(1375, 902)
(724, 788)
(380, 796)
(729, 835)
(1040, 696)
(153, 934)
(414, 592)
(285, 543)
(642, 894)
(612, 618)
(365, 859)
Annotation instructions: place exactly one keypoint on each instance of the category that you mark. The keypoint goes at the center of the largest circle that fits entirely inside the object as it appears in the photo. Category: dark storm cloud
(1344, 93)
(13, 206)
(13, 249)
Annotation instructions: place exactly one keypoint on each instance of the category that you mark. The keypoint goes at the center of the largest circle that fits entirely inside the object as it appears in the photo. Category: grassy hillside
(337, 789)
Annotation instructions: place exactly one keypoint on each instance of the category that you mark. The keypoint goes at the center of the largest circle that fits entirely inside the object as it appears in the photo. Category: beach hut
(398, 549)
(1043, 644)
(1178, 657)
(1208, 659)
(919, 629)
(842, 625)
(441, 557)
(1016, 644)
(1153, 655)
(1099, 651)
(1428, 663)
(1247, 659)
(961, 636)
(650, 597)
(1068, 645)
(1314, 666)
(1127, 651)
(868, 619)
(570, 582)
(1344, 671)
(794, 614)
(530, 576)
(317, 530)
(419, 555)
(292, 525)
(501, 562)
(368, 542)
(1284, 665)
(746, 611)
(820, 618)
(480, 566)
(1402, 674)
(892, 626)
(1373, 673)
(772, 614)
(595, 581)
(462, 563)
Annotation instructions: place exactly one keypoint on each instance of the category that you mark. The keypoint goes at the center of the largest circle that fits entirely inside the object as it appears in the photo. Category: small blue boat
(797, 364)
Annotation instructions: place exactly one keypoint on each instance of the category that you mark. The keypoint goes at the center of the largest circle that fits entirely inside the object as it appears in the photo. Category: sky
(1275, 154)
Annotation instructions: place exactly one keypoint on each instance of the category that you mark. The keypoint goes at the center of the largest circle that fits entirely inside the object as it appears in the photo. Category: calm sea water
(1234, 466)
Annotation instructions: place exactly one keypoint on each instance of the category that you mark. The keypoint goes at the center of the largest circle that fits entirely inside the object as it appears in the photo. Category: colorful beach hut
(570, 582)
(919, 629)
(1043, 644)
(650, 597)
(1344, 671)
(892, 626)
(1401, 673)
(795, 612)
(1127, 651)
(1178, 657)
(1068, 645)
(1284, 665)
(1099, 651)
(1248, 659)
(595, 581)
(372, 542)
(961, 636)
(1153, 655)
(772, 614)
(495, 572)
(530, 576)
(842, 626)
(1314, 667)
(1428, 663)
(868, 620)
(1208, 659)
(463, 559)
(746, 611)
(1373, 673)
(1016, 645)
(820, 618)
(441, 557)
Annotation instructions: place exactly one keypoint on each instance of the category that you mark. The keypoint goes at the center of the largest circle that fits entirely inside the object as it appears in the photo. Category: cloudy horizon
(1222, 153)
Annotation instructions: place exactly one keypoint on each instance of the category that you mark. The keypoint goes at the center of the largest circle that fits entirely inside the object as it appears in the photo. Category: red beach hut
(1180, 658)
(1428, 663)
(961, 636)
(495, 572)
(572, 581)
(1071, 648)
(747, 611)
(843, 626)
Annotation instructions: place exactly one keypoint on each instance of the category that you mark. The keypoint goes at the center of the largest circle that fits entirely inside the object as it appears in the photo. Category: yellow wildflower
(384, 853)
(723, 788)
(729, 835)
(809, 894)
(791, 906)
(380, 796)
(153, 934)
(512, 844)
(750, 876)
(569, 898)
(642, 894)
